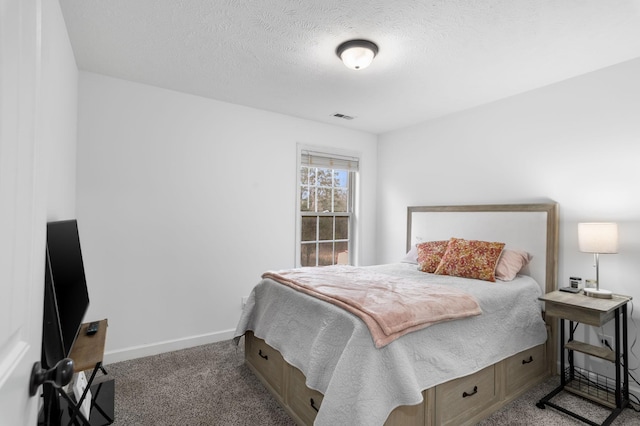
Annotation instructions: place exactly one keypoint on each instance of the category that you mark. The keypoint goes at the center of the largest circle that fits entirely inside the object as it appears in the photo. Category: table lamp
(598, 238)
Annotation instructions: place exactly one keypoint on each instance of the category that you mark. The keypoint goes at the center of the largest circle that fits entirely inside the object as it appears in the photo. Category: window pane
(324, 200)
(312, 199)
(340, 178)
(326, 228)
(342, 253)
(324, 177)
(304, 176)
(341, 202)
(309, 228)
(305, 199)
(325, 256)
(308, 254)
(312, 175)
(342, 228)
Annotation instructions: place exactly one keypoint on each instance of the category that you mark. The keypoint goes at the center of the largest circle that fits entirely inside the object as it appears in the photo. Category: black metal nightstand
(579, 308)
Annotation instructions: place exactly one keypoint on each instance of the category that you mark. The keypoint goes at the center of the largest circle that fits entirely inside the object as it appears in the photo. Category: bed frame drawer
(463, 398)
(461, 402)
(303, 401)
(300, 397)
(266, 360)
(526, 367)
(411, 415)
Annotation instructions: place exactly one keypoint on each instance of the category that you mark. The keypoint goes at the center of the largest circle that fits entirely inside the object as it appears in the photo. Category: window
(327, 194)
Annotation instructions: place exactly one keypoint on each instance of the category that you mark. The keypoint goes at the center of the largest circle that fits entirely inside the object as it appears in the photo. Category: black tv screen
(68, 297)
(52, 348)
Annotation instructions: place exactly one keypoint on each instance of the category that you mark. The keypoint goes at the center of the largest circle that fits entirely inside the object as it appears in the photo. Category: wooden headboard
(530, 227)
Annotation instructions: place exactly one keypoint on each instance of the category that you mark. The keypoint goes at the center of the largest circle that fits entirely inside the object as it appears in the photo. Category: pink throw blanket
(390, 306)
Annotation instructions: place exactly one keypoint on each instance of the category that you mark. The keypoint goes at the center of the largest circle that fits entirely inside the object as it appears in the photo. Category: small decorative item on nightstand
(598, 238)
(575, 282)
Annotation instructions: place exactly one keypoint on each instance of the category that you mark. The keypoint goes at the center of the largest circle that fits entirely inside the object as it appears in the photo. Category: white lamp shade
(357, 54)
(357, 58)
(600, 237)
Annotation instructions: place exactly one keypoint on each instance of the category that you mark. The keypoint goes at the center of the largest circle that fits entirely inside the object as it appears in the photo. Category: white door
(22, 209)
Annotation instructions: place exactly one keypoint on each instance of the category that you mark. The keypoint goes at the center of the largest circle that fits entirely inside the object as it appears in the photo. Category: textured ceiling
(436, 57)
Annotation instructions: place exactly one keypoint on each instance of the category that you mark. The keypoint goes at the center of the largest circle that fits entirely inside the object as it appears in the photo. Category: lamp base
(598, 293)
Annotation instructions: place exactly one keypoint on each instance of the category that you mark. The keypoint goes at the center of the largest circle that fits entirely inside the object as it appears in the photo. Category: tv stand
(87, 354)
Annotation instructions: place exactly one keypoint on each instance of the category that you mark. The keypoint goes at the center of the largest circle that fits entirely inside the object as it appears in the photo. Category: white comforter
(362, 384)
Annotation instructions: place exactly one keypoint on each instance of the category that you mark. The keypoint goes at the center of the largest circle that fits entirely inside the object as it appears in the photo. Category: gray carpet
(210, 385)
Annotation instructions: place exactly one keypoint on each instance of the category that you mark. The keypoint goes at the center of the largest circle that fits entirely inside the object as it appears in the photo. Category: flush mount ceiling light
(357, 54)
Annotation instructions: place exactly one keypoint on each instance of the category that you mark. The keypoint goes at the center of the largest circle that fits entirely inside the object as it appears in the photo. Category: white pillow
(411, 256)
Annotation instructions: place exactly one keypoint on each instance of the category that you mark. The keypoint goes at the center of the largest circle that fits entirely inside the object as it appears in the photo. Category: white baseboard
(166, 346)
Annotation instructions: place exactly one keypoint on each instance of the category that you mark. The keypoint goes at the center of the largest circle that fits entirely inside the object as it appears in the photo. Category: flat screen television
(66, 296)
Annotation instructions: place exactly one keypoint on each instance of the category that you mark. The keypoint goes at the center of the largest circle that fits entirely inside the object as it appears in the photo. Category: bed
(321, 363)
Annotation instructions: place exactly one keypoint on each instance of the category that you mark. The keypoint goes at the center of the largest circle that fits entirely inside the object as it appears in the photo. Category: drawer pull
(466, 394)
(262, 356)
(313, 404)
(525, 361)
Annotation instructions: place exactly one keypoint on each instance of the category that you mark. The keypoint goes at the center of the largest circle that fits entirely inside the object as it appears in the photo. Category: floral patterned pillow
(470, 259)
(430, 254)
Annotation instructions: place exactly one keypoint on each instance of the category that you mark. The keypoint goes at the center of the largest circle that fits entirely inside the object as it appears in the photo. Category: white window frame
(341, 155)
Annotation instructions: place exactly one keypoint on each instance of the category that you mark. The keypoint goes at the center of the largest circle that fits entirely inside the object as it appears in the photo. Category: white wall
(183, 202)
(576, 142)
(59, 114)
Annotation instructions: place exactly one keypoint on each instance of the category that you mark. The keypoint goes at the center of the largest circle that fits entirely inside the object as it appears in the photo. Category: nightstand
(578, 308)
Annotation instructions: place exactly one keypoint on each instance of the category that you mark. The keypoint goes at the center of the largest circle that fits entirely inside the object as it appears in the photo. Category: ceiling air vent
(343, 116)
